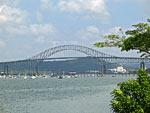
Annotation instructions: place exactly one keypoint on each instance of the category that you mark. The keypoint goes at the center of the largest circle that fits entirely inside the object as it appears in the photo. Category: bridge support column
(103, 69)
(30, 66)
(6, 69)
(142, 65)
(36, 70)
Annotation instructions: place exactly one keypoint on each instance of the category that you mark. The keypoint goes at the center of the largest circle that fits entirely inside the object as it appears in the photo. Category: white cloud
(39, 31)
(90, 34)
(92, 6)
(90, 9)
(40, 39)
(43, 33)
(17, 30)
(16, 2)
(9, 15)
(69, 6)
(14, 22)
(43, 29)
(92, 29)
(46, 4)
(2, 1)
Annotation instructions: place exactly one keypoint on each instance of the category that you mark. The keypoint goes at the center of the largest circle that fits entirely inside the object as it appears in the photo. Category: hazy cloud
(2, 44)
(9, 15)
(93, 6)
(39, 16)
(16, 2)
(43, 29)
(90, 34)
(14, 22)
(92, 29)
(46, 4)
(91, 9)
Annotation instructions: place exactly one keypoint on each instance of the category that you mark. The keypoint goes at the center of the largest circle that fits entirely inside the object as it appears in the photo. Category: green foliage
(139, 39)
(112, 40)
(136, 39)
(132, 96)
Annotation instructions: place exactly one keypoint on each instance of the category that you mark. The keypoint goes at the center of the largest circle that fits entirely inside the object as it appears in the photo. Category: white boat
(4, 76)
(68, 76)
(75, 76)
(32, 77)
(25, 77)
(45, 76)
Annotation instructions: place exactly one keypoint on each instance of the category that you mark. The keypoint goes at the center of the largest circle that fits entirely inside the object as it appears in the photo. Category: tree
(132, 96)
(136, 39)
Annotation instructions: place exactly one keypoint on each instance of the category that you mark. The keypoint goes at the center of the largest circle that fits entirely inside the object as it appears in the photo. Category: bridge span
(32, 63)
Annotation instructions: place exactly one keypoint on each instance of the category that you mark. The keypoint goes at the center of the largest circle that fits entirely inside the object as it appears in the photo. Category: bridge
(32, 63)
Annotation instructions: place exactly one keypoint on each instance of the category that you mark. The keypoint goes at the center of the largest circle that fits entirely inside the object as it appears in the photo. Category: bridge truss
(33, 62)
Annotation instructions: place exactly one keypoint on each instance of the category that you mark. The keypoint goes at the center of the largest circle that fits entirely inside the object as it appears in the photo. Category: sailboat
(25, 76)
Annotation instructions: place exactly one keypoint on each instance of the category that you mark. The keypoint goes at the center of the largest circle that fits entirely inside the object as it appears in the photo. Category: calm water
(52, 95)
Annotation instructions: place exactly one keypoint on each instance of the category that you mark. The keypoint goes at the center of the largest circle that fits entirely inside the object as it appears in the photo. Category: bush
(132, 96)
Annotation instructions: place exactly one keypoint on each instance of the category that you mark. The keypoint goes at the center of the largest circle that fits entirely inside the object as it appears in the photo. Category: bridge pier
(30, 67)
(142, 65)
(36, 70)
(6, 69)
(34, 67)
(103, 69)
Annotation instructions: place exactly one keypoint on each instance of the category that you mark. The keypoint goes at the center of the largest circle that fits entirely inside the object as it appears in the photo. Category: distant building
(119, 69)
(72, 73)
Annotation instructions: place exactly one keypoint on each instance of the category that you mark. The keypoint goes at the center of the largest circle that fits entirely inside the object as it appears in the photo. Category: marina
(67, 76)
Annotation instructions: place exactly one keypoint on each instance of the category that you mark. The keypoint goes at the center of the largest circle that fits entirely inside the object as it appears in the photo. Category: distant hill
(79, 65)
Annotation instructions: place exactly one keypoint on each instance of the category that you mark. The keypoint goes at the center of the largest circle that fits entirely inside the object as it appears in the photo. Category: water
(52, 95)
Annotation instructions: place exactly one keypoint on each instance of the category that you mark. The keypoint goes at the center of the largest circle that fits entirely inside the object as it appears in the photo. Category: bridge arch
(86, 50)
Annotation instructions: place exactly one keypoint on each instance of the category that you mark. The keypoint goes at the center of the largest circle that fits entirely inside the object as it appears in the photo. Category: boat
(75, 76)
(60, 77)
(45, 76)
(68, 76)
(25, 77)
(33, 77)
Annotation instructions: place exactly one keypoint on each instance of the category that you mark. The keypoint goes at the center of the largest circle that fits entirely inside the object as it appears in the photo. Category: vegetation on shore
(132, 96)
(135, 39)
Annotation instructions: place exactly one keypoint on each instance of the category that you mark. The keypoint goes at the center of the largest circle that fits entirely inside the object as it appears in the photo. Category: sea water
(53, 95)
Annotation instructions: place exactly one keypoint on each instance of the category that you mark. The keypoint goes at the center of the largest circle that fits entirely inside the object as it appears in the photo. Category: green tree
(132, 96)
(136, 39)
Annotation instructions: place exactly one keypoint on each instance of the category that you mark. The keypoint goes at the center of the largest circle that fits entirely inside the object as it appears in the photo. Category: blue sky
(28, 27)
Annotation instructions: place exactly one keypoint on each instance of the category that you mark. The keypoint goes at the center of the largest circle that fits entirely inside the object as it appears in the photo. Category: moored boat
(33, 77)
(60, 77)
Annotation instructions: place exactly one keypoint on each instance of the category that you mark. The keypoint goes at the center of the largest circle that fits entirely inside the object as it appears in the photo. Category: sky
(27, 27)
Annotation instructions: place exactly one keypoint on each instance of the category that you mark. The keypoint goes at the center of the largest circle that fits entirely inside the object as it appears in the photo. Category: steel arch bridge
(88, 51)
(32, 62)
